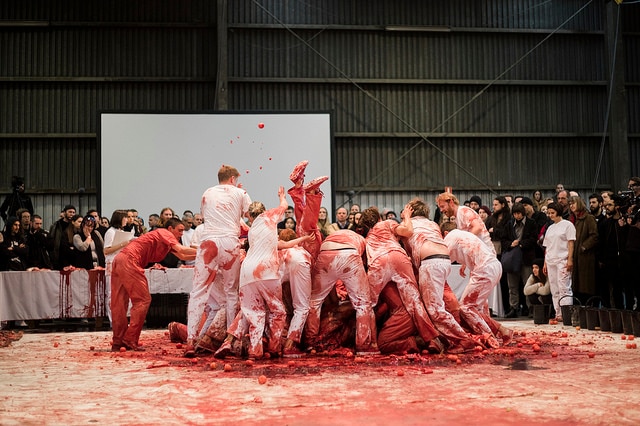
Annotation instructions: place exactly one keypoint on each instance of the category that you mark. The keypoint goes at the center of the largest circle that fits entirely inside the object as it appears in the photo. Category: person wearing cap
(475, 202)
(57, 232)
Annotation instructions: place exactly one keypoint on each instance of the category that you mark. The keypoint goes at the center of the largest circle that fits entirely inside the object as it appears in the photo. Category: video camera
(629, 206)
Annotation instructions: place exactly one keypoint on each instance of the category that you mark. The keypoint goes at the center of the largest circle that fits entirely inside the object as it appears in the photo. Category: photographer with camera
(16, 200)
(631, 212)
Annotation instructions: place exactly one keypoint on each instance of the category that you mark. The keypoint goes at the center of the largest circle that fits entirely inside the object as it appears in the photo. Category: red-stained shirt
(469, 250)
(466, 218)
(381, 239)
(423, 230)
(150, 247)
(262, 261)
(349, 238)
(222, 207)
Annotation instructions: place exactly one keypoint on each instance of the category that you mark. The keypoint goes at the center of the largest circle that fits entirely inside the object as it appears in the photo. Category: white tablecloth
(80, 294)
(50, 294)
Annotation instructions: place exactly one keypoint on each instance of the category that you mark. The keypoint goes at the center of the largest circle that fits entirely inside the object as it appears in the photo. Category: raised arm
(405, 229)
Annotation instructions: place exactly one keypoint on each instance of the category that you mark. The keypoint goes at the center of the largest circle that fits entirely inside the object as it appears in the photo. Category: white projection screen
(154, 160)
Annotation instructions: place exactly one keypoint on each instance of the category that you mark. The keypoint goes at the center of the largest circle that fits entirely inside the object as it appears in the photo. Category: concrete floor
(577, 377)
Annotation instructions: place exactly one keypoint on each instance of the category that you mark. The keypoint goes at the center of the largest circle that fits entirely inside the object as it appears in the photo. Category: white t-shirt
(108, 242)
(196, 238)
(556, 240)
(262, 261)
(222, 207)
(466, 218)
(469, 250)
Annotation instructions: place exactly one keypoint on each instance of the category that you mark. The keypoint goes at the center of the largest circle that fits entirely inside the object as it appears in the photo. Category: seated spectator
(537, 288)
(89, 245)
(14, 252)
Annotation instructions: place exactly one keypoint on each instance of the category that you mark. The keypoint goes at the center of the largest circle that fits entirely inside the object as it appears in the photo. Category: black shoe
(512, 314)
(524, 311)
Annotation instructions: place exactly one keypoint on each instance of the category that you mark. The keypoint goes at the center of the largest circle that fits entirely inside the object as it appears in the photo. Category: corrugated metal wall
(398, 76)
(61, 62)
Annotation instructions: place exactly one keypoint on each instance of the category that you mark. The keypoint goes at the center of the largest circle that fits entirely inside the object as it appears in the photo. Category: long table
(76, 294)
(81, 293)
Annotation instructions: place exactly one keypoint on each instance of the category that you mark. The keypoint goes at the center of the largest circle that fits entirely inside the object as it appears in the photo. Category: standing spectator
(154, 222)
(524, 235)
(563, 200)
(612, 238)
(596, 206)
(498, 225)
(39, 245)
(67, 249)
(57, 232)
(607, 196)
(14, 251)
(342, 221)
(89, 245)
(99, 226)
(288, 213)
(134, 223)
(24, 217)
(355, 208)
(584, 253)
(104, 221)
(559, 243)
(475, 202)
(16, 200)
(197, 220)
(632, 247)
(129, 283)
(323, 222)
(484, 212)
(537, 200)
(118, 222)
(166, 214)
